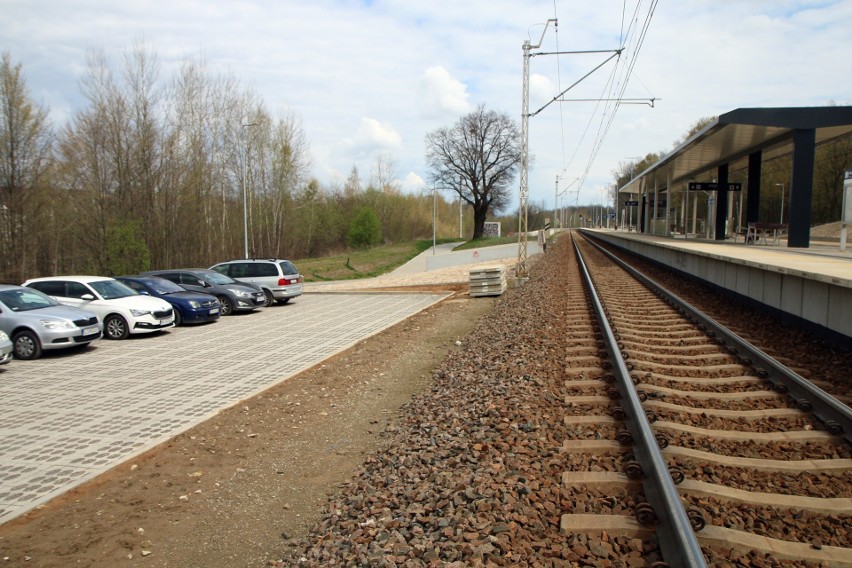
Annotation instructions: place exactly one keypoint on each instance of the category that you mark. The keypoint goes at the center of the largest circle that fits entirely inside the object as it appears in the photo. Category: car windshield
(112, 289)
(24, 299)
(288, 267)
(216, 278)
(163, 286)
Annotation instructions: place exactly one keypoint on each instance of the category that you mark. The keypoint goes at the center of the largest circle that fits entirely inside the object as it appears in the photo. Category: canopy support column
(801, 187)
(722, 203)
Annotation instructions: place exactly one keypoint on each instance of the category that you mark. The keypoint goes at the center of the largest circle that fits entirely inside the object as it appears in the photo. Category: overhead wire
(607, 105)
(619, 86)
(607, 88)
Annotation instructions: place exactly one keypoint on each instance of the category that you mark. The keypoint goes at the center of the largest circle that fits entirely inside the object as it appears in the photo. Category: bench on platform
(758, 232)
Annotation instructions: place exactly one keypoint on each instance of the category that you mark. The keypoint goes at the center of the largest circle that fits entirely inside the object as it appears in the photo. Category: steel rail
(678, 543)
(836, 415)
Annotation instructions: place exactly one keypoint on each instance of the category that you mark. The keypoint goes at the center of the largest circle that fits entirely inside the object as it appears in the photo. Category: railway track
(524, 451)
(760, 479)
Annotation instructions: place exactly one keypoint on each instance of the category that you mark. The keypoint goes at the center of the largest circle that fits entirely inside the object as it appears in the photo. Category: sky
(373, 77)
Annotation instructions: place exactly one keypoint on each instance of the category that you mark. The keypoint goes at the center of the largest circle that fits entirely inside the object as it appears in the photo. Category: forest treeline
(150, 173)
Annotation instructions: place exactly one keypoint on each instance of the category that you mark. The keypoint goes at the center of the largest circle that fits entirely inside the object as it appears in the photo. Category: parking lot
(71, 415)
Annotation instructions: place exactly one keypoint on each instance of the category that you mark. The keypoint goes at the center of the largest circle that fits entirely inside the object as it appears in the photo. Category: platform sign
(631, 203)
(711, 186)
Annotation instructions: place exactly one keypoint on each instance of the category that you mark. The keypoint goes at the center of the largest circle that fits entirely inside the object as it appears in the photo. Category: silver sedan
(37, 322)
(5, 348)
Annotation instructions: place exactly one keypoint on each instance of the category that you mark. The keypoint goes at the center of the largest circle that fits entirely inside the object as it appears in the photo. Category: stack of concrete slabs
(488, 281)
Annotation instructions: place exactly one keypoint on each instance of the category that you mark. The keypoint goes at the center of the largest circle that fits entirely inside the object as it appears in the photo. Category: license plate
(90, 330)
(214, 311)
(166, 321)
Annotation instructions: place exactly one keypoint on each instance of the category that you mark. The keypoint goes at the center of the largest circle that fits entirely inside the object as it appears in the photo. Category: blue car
(189, 307)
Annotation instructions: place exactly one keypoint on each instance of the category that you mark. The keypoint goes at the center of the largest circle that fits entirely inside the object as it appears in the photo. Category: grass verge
(363, 263)
(487, 242)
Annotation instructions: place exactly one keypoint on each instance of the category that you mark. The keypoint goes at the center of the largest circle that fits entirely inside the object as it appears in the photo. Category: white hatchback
(122, 309)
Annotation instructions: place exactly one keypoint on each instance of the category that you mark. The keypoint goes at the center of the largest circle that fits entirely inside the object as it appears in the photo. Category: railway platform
(811, 287)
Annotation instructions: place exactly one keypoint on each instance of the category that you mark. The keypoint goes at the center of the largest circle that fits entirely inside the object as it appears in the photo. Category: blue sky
(374, 76)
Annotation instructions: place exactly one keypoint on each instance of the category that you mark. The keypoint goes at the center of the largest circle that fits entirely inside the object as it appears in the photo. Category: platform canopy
(736, 136)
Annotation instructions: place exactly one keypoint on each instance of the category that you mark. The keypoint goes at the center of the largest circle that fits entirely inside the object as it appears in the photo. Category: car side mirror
(87, 297)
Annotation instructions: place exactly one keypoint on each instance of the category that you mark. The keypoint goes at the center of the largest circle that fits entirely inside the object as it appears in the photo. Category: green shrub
(126, 250)
(365, 230)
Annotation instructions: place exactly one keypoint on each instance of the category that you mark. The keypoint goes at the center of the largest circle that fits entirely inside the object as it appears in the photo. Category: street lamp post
(782, 202)
(461, 186)
(434, 216)
(245, 189)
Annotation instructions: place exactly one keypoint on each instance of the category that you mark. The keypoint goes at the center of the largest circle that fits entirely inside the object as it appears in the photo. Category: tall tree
(284, 164)
(25, 159)
(383, 176)
(477, 158)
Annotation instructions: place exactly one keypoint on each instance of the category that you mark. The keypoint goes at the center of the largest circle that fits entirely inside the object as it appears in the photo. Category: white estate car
(122, 310)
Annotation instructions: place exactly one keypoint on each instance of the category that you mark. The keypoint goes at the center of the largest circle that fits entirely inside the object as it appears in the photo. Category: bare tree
(384, 174)
(477, 158)
(283, 159)
(352, 187)
(25, 159)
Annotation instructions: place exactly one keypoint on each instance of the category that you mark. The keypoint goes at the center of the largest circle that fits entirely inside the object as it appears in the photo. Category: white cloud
(412, 66)
(542, 91)
(441, 95)
(413, 183)
(376, 135)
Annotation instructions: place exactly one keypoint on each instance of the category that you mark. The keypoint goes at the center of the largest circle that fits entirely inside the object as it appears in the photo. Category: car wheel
(268, 298)
(178, 317)
(26, 345)
(283, 301)
(227, 306)
(115, 327)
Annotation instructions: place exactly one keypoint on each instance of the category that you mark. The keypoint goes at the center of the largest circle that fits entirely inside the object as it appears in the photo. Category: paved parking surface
(70, 416)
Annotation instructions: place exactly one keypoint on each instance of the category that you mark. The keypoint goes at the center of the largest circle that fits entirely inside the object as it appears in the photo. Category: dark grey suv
(234, 296)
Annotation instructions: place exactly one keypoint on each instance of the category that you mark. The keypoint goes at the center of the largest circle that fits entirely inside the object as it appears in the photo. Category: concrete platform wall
(472, 256)
(819, 304)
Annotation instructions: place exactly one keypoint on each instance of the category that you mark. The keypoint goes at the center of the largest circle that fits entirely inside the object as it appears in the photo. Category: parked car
(234, 296)
(6, 348)
(122, 310)
(278, 278)
(37, 322)
(189, 307)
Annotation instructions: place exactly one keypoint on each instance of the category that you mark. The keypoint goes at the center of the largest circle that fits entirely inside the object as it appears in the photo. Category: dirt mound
(829, 231)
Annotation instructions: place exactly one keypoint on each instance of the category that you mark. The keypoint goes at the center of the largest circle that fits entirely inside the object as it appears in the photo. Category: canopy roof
(738, 133)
